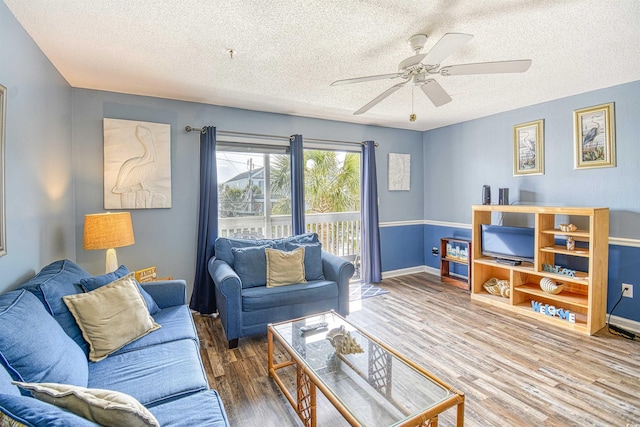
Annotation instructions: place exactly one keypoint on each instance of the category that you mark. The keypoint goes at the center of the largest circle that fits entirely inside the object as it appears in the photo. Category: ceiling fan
(420, 66)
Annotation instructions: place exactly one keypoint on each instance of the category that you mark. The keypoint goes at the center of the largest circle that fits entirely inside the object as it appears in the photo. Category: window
(250, 204)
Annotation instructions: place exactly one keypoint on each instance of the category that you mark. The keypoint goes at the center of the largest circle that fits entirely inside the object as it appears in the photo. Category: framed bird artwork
(594, 137)
(137, 164)
(528, 148)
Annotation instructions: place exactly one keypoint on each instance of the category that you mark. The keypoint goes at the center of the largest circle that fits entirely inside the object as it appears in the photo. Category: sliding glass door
(332, 199)
(254, 191)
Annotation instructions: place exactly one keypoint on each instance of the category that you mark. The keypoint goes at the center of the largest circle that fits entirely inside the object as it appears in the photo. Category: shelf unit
(446, 259)
(584, 295)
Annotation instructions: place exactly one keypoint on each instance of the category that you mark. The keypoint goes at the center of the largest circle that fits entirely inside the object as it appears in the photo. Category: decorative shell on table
(498, 287)
(343, 342)
(567, 227)
(550, 286)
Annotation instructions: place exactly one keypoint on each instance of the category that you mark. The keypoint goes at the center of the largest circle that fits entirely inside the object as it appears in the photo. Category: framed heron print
(528, 148)
(594, 137)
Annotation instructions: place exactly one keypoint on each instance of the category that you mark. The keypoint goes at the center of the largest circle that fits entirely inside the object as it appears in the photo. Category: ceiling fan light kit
(418, 67)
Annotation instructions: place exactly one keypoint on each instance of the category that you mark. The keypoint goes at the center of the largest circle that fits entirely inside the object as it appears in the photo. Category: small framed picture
(594, 137)
(528, 148)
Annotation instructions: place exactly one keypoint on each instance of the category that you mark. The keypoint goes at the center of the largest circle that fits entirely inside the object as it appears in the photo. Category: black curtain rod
(261, 135)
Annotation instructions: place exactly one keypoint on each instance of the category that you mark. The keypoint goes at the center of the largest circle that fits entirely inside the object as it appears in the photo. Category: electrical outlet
(435, 251)
(627, 290)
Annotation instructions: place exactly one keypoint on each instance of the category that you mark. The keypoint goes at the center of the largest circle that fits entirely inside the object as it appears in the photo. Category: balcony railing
(339, 232)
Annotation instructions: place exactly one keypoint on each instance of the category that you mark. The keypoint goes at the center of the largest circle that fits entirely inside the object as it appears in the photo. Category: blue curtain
(371, 260)
(203, 298)
(297, 184)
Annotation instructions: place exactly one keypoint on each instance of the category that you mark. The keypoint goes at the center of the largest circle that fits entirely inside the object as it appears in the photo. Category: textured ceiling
(289, 51)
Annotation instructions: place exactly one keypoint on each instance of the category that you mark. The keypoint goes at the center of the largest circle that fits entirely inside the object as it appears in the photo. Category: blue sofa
(246, 305)
(40, 342)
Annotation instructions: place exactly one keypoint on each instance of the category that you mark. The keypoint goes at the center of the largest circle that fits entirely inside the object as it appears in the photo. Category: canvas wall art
(399, 172)
(137, 164)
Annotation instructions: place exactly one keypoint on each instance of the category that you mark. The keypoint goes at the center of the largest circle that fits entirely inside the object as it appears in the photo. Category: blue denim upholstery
(312, 259)
(32, 412)
(261, 297)
(223, 245)
(162, 370)
(152, 374)
(167, 293)
(250, 264)
(63, 271)
(5, 383)
(33, 346)
(204, 409)
(58, 279)
(175, 325)
(247, 311)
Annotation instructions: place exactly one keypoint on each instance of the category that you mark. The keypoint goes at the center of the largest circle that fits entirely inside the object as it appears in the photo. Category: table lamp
(108, 231)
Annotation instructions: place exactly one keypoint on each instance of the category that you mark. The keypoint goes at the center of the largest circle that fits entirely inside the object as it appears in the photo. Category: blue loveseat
(40, 342)
(246, 305)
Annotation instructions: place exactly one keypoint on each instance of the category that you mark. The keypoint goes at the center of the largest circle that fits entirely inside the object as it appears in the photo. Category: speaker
(503, 196)
(486, 195)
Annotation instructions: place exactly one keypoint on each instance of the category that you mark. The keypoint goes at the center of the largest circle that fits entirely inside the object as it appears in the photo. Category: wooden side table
(457, 251)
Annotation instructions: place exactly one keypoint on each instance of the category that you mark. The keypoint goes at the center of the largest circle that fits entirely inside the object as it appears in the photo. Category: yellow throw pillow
(111, 317)
(285, 268)
(105, 407)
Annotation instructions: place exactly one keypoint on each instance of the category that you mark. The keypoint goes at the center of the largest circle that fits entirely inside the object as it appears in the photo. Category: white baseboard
(630, 325)
(432, 270)
(405, 271)
(414, 270)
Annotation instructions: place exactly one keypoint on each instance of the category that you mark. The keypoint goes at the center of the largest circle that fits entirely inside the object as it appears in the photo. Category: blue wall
(401, 246)
(38, 170)
(482, 152)
(166, 238)
(624, 267)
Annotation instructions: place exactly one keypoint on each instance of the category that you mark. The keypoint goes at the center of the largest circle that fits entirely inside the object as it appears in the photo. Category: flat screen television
(511, 245)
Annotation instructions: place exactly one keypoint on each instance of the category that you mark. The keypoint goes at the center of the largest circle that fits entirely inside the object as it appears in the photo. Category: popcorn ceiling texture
(288, 52)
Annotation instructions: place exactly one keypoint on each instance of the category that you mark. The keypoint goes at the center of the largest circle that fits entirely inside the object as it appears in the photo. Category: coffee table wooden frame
(306, 383)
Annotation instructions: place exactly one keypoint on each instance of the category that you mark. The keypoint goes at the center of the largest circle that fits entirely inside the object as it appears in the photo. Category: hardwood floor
(513, 371)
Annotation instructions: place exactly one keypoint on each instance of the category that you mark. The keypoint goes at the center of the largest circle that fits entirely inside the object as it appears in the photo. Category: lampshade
(108, 231)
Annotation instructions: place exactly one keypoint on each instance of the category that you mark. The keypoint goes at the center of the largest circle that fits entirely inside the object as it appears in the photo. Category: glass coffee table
(368, 382)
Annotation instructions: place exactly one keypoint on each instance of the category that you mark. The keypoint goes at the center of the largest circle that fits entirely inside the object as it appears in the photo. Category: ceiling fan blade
(449, 43)
(518, 66)
(380, 97)
(435, 93)
(366, 79)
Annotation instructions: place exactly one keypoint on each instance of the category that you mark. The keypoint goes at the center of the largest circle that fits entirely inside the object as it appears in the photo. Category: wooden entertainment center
(584, 296)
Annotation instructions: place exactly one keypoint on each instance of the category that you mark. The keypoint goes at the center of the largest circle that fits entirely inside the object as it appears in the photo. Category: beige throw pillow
(285, 268)
(111, 317)
(105, 407)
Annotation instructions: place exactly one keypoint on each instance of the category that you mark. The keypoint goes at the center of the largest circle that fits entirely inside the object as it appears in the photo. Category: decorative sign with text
(550, 310)
(558, 269)
(146, 275)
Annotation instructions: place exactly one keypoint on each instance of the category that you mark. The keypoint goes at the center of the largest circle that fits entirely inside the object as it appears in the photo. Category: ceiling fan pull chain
(412, 117)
